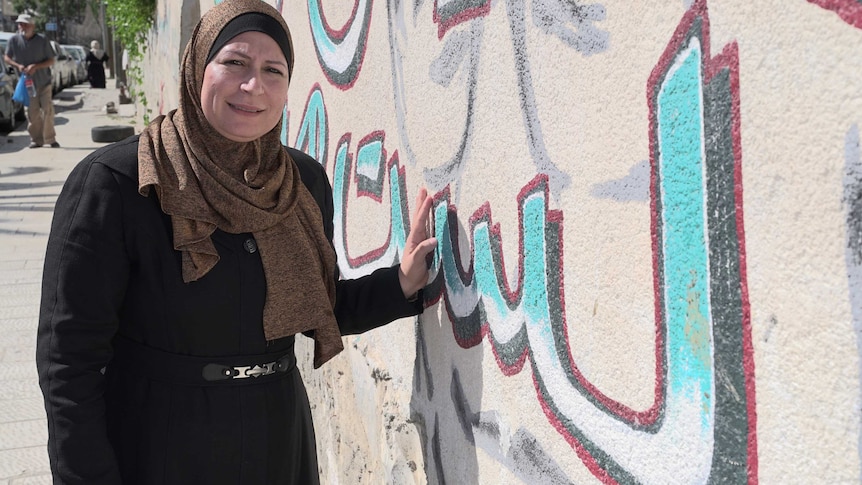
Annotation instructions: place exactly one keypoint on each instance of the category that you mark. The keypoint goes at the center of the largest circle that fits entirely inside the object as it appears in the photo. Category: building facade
(649, 262)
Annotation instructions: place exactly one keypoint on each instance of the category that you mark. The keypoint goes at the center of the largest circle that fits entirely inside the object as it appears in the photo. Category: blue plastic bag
(20, 94)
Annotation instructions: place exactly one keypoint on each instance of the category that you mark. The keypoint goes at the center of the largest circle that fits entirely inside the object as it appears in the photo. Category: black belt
(164, 366)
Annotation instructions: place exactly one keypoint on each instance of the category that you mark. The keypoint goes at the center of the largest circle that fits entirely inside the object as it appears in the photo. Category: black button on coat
(111, 276)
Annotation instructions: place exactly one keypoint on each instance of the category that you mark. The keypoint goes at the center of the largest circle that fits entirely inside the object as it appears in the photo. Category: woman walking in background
(96, 60)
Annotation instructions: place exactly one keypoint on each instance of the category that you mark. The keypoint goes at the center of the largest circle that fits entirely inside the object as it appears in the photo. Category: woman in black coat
(179, 268)
(96, 60)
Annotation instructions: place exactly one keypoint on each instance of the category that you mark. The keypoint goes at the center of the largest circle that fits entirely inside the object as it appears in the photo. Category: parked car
(4, 39)
(79, 54)
(10, 111)
(64, 70)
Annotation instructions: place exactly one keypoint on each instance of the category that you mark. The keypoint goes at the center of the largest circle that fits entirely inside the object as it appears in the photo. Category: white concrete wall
(650, 226)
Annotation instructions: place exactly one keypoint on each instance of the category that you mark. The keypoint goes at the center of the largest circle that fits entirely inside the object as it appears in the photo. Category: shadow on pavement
(59, 108)
(23, 233)
(15, 141)
(17, 207)
(29, 185)
(29, 196)
(15, 171)
(68, 94)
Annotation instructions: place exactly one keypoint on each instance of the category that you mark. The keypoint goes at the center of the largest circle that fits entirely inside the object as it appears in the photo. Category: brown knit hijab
(205, 182)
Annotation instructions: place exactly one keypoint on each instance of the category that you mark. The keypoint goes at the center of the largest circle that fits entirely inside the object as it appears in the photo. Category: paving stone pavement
(30, 181)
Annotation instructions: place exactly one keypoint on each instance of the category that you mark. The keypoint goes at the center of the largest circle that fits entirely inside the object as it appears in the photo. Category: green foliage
(131, 21)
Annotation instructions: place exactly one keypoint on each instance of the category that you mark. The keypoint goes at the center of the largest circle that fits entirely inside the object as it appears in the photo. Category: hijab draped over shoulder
(205, 182)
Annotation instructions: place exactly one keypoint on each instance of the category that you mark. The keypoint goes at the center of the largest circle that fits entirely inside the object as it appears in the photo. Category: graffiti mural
(850, 11)
(340, 52)
(597, 294)
(701, 426)
(313, 132)
(572, 22)
(853, 251)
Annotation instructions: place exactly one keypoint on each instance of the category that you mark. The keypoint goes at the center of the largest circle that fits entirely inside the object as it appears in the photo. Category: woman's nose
(252, 85)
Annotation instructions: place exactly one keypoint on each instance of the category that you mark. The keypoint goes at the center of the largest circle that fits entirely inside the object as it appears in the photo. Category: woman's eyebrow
(276, 61)
(237, 52)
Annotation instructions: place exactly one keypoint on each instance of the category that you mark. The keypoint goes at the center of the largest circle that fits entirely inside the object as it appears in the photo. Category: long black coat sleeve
(82, 291)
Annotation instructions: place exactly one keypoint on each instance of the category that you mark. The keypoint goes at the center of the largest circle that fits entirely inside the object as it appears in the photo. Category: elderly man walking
(32, 54)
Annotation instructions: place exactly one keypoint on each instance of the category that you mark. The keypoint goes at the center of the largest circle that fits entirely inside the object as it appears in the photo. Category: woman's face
(245, 87)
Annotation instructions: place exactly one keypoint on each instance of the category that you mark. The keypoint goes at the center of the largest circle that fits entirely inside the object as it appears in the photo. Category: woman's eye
(274, 71)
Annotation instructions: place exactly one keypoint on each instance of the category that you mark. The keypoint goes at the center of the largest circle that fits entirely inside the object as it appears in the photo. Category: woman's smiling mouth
(245, 109)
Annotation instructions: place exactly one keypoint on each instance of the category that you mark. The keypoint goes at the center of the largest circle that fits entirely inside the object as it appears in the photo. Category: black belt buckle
(219, 372)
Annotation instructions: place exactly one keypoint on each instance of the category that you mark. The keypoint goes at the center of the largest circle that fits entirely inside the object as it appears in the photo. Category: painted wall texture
(649, 218)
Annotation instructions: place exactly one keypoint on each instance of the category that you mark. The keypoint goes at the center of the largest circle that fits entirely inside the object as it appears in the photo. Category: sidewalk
(30, 181)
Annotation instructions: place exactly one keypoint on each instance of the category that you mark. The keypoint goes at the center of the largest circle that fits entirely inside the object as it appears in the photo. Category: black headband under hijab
(254, 22)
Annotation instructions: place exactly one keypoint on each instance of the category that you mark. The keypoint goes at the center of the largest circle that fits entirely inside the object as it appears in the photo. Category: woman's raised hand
(413, 272)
